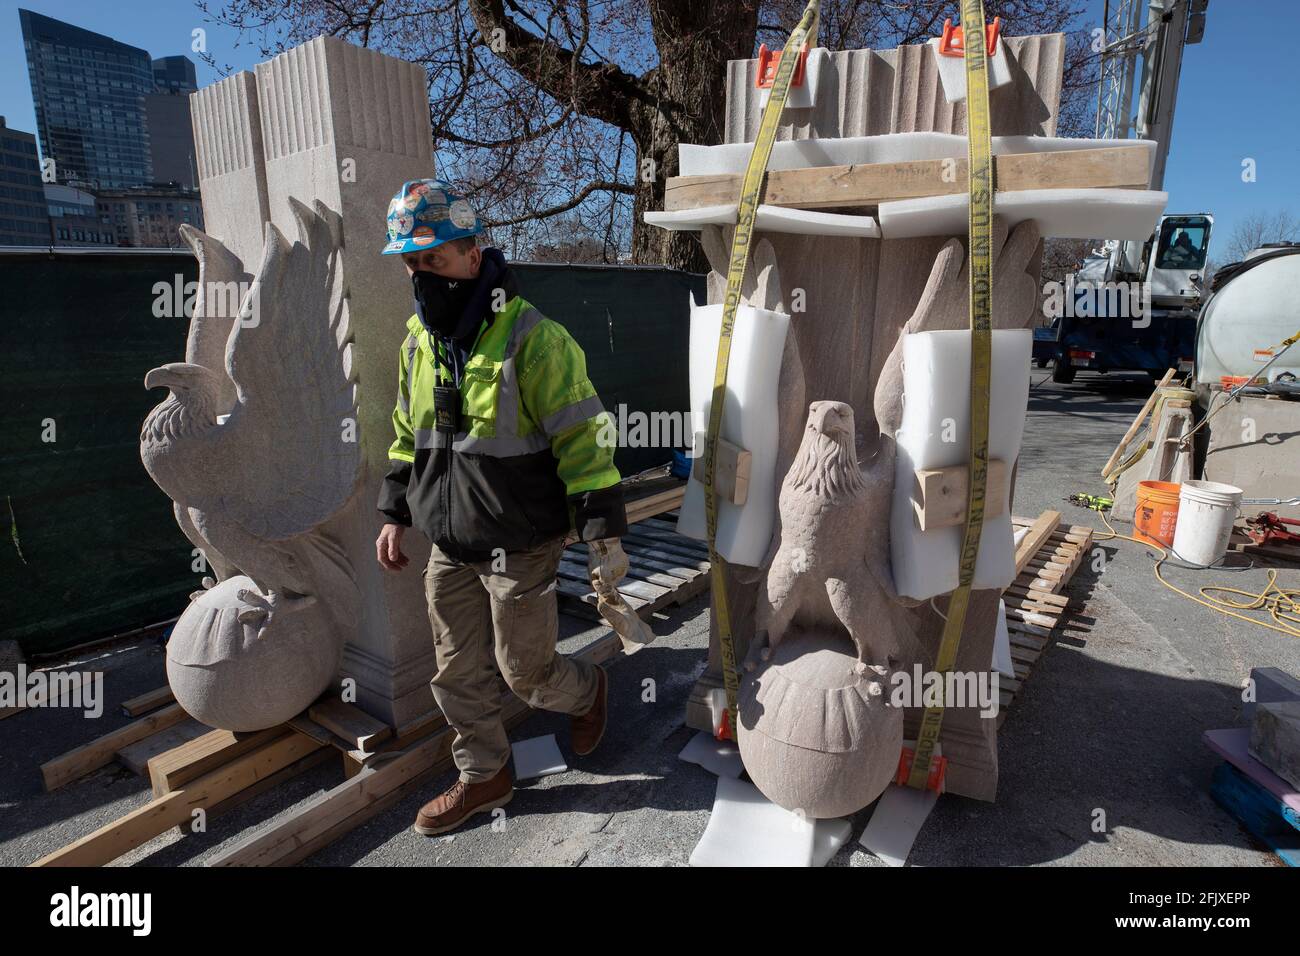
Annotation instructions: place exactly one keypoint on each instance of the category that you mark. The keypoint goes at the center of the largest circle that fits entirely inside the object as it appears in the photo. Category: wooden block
(939, 495)
(1043, 526)
(101, 752)
(869, 184)
(175, 808)
(730, 475)
(147, 702)
(135, 757)
(172, 770)
(350, 723)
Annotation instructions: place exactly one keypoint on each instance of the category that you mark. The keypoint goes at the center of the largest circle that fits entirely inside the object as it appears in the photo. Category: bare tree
(574, 108)
(1262, 227)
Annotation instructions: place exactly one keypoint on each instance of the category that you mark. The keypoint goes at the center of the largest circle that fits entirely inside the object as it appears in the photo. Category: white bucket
(1206, 511)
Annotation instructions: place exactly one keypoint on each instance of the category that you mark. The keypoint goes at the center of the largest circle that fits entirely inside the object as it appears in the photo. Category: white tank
(1247, 317)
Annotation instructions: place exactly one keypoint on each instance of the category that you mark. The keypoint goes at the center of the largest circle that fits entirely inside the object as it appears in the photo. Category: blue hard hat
(426, 213)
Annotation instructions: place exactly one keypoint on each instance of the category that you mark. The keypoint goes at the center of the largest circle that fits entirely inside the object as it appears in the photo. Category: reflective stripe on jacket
(525, 465)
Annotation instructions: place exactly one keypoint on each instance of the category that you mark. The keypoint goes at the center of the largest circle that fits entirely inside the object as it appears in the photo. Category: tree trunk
(689, 89)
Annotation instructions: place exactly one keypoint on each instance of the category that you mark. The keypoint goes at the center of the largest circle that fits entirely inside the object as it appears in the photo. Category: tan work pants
(506, 618)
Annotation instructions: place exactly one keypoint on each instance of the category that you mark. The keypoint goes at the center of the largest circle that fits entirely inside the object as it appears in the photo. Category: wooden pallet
(1046, 560)
(1281, 554)
(664, 568)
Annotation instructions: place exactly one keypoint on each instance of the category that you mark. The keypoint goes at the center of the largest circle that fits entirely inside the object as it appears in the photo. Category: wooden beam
(1113, 460)
(177, 807)
(172, 770)
(146, 702)
(939, 495)
(101, 752)
(349, 723)
(1039, 532)
(372, 789)
(869, 184)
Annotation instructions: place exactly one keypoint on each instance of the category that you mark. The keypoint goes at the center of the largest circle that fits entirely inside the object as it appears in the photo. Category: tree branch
(577, 200)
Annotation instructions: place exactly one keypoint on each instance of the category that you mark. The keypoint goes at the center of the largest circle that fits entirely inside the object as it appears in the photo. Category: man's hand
(388, 547)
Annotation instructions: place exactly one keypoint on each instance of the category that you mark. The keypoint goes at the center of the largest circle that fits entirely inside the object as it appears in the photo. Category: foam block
(719, 757)
(747, 829)
(749, 420)
(935, 433)
(537, 757)
(804, 222)
(1063, 213)
(1233, 746)
(1002, 644)
(952, 70)
(896, 821)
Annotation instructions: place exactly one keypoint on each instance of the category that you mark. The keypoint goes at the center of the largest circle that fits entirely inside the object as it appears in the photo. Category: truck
(1133, 306)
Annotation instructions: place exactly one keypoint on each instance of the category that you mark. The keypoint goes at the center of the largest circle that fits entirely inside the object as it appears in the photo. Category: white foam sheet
(537, 757)
(747, 829)
(719, 757)
(952, 70)
(896, 821)
(804, 222)
(749, 420)
(935, 433)
(1002, 644)
(1061, 213)
(732, 158)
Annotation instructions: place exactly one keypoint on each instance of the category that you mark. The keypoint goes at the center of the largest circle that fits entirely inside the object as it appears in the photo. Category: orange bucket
(1156, 514)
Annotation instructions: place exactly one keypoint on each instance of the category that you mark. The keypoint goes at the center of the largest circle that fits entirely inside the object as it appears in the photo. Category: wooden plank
(135, 757)
(349, 723)
(101, 752)
(730, 475)
(372, 790)
(1137, 423)
(1038, 532)
(172, 770)
(868, 184)
(147, 702)
(939, 495)
(172, 809)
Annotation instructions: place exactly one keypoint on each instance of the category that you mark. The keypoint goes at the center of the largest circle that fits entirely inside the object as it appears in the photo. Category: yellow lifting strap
(750, 194)
(980, 242)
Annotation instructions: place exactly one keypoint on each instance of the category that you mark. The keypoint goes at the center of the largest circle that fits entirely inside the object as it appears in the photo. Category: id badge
(446, 409)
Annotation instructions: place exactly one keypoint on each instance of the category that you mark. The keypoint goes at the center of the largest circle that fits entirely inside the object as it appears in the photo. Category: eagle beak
(173, 375)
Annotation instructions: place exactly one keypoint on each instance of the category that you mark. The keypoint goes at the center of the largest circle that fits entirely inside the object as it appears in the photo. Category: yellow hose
(1282, 604)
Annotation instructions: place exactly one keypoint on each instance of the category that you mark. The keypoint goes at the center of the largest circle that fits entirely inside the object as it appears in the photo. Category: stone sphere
(813, 736)
(249, 676)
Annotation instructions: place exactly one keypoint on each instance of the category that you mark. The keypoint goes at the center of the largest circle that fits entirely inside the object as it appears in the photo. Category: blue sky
(1237, 97)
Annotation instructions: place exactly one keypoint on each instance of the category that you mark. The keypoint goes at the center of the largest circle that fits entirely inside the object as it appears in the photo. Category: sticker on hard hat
(462, 215)
(395, 246)
(423, 235)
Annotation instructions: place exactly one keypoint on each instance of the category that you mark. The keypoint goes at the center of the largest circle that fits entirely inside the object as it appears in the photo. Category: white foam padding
(731, 158)
(1060, 213)
(1002, 644)
(804, 95)
(747, 829)
(803, 222)
(895, 823)
(952, 70)
(719, 757)
(935, 433)
(537, 757)
(749, 418)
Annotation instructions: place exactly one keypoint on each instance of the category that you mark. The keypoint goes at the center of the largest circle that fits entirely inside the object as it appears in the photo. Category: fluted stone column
(345, 126)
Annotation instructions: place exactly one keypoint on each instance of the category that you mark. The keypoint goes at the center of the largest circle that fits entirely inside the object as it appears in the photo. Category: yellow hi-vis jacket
(526, 463)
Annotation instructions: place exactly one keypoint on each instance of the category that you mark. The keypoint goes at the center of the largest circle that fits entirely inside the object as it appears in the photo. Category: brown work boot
(461, 801)
(585, 731)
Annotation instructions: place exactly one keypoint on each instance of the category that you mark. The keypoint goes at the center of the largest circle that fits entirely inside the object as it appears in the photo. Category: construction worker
(496, 459)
